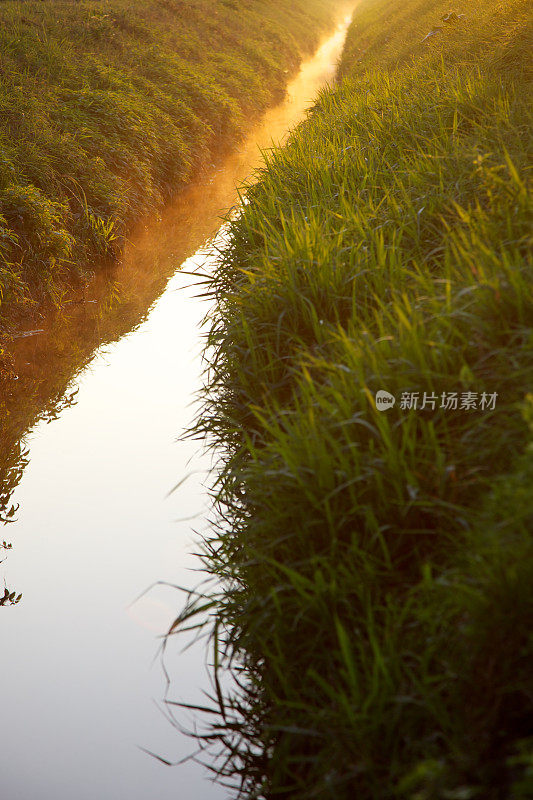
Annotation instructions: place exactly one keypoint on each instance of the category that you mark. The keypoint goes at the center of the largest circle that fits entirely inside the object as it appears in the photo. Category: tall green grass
(376, 566)
(107, 108)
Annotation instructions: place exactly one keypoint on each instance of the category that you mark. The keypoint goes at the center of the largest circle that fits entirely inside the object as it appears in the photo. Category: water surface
(106, 389)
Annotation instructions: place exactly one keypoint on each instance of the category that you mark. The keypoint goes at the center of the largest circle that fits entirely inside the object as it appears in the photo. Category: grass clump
(376, 565)
(107, 108)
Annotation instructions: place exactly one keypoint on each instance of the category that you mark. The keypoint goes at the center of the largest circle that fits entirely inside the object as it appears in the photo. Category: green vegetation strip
(107, 108)
(377, 566)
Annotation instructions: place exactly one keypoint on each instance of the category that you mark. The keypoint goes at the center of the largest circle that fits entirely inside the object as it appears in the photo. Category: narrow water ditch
(115, 376)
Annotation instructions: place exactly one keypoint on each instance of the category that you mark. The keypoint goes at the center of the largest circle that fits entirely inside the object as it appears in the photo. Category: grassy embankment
(378, 565)
(107, 108)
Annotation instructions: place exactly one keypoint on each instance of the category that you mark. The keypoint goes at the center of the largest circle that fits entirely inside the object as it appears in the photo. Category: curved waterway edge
(115, 375)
